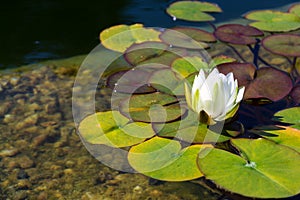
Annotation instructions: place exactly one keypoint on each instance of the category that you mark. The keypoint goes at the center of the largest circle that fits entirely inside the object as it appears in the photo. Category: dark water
(36, 30)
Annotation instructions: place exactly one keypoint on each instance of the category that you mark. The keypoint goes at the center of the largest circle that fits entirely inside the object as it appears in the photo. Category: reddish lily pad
(263, 83)
(182, 39)
(154, 107)
(192, 10)
(283, 44)
(274, 21)
(196, 33)
(295, 94)
(237, 34)
(130, 81)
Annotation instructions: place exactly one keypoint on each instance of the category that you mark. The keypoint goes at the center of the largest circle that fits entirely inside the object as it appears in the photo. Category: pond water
(32, 31)
(41, 154)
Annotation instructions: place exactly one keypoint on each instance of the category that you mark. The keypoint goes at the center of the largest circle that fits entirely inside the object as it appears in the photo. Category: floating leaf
(188, 65)
(222, 59)
(192, 10)
(154, 107)
(290, 116)
(243, 72)
(237, 34)
(131, 81)
(179, 39)
(295, 94)
(274, 21)
(264, 169)
(283, 44)
(295, 9)
(260, 83)
(167, 81)
(286, 136)
(138, 53)
(113, 129)
(164, 159)
(120, 37)
(189, 129)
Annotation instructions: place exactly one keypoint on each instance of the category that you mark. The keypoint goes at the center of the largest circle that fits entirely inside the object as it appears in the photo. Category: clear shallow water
(32, 31)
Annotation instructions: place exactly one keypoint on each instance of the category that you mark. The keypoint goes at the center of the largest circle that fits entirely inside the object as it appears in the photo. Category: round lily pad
(120, 37)
(222, 59)
(283, 44)
(283, 135)
(164, 159)
(295, 9)
(182, 39)
(237, 34)
(131, 81)
(154, 107)
(188, 65)
(189, 129)
(167, 81)
(295, 94)
(113, 129)
(264, 169)
(192, 10)
(290, 116)
(138, 53)
(274, 21)
(265, 82)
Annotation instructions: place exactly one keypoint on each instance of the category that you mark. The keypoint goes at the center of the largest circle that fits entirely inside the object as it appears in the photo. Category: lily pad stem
(212, 25)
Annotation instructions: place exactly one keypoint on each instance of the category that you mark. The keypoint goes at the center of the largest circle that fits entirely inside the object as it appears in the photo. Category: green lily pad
(153, 107)
(222, 59)
(192, 10)
(283, 135)
(120, 37)
(237, 34)
(131, 81)
(164, 159)
(290, 116)
(138, 53)
(167, 81)
(264, 169)
(283, 44)
(186, 66)
(259, 83)
(274, 21)
(181, 39)
(113, 129)
(189, 129)
(295, 9)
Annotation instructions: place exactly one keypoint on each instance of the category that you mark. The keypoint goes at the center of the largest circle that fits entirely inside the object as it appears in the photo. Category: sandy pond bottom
(42, 157)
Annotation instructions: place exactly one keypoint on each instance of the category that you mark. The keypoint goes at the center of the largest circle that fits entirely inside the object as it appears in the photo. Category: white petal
(198, 81)
(240, 94)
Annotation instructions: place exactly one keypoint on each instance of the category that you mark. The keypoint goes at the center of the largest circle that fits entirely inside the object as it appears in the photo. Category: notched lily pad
(189, 129)
(290, 116)
(184, 39)
(113, 129)
(274, 21)
(167, 81)
(120, 37)
(295, 9)
(154, 107)
(138, 53)
(192, 10)
(283, 135)
(263, 83)
(283, 44)
(188, 65)
(237, 34)
(131, 81)
(164, 159)
(264, 169)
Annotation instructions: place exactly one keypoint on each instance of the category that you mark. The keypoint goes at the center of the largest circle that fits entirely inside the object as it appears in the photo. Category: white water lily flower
(215, 97)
